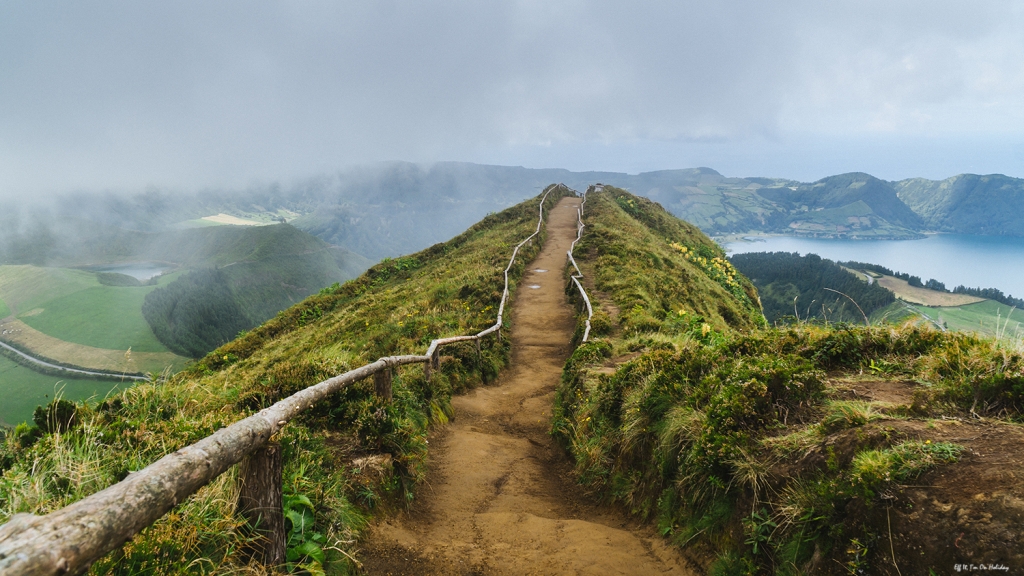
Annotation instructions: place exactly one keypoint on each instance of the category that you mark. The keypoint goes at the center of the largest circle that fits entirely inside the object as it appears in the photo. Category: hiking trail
(499, 497)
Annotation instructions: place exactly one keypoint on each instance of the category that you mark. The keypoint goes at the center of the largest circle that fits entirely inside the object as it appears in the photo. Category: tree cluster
(809, 287)
(991, 294)
(195, 314)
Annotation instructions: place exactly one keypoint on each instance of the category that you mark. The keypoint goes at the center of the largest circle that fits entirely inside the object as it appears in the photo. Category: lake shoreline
(974, 261)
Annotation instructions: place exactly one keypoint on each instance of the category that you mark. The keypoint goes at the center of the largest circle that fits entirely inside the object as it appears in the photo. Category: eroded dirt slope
(499, 498)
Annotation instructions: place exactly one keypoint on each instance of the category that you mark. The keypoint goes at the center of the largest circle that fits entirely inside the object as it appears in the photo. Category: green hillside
(967, 203)
(245, 276)
(791, 285)
(848, 205)
(654, 268)
(80, 322)
(242, 276)
(380, 210)
(396, 307)
(757, 450)
(100, 316)
(789, 450)
(987, 318)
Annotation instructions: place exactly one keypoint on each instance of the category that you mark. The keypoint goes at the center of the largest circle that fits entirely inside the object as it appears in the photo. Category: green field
(70, 305)
(24, 288)
(23, 389)
(982, 318)
(103, 317)
(73, 306)
(987, 318)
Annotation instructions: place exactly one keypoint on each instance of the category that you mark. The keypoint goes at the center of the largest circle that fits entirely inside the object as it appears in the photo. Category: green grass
(705, 425)
(987, 318)
(28, 287)
(23, 389)
(4, 310)
(397, 306)
(656, 269)
(72, 305)
(982, 317)
(77, 308)
(103, 317)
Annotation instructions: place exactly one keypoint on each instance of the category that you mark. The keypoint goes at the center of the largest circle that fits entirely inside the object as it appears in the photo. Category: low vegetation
(763, 450)
(343, 459)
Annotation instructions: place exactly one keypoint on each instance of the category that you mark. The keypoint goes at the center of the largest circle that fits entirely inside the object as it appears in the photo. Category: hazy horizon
(189, 95)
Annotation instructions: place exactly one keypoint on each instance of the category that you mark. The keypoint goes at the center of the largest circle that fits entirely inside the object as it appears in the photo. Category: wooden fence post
(260, 503)
(382, 384)
(480, 362)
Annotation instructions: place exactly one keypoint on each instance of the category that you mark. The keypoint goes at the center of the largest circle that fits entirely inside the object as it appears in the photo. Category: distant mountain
(967, 203)
(848, 205)
(387, 209)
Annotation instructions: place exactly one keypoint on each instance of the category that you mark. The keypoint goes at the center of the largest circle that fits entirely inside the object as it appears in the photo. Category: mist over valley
(338, 288)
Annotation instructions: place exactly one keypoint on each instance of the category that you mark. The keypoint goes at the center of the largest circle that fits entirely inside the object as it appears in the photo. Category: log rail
(69, 540)
(579, 274)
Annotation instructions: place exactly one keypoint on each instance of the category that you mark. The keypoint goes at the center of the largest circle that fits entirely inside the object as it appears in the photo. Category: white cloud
(125, 94)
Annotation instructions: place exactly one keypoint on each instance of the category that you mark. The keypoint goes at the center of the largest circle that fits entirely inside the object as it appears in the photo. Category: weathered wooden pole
(382, 384)
(260, 503)
(480, 362)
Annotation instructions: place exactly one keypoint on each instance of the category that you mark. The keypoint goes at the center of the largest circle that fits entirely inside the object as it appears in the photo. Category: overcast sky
(122, 95)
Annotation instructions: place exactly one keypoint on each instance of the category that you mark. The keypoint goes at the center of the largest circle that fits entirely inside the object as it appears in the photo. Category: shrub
(56, 417)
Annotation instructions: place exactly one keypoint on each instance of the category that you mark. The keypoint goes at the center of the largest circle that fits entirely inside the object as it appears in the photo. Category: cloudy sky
(122, 95)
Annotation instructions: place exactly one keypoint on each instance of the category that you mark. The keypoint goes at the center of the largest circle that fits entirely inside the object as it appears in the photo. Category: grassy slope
(28, 287)
(649, 280)
(260, 271)
(983, 318)
(4, 310)
(979, 318)
(740, 444)
(396, 307)
(24, 389)
(75, 308)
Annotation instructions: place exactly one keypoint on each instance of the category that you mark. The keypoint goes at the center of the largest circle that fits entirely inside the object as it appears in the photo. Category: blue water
(141, 271)
(954, 259)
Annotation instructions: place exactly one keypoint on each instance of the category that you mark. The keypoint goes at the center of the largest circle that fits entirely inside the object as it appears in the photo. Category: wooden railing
(579, 273)
(69, 540)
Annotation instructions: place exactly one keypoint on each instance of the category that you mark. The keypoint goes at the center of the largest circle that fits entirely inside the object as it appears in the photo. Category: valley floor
(500, 498)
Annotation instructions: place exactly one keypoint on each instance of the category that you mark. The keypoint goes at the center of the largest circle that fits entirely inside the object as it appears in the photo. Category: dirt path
(499, 498)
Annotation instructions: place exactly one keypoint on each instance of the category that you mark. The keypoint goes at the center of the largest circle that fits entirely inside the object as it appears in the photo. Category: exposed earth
(500, 498)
